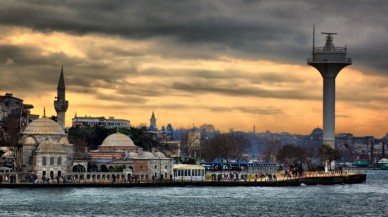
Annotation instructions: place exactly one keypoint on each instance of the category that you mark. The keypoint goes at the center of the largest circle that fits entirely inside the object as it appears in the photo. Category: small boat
(383, 164)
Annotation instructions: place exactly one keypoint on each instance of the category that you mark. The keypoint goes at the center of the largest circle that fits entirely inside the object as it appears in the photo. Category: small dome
(117, 140)
(317, 131)
(43, 126)
(147, 154)
(29, 141)
(159, 155)
(64, 141)
(50, 146)
(132, 155)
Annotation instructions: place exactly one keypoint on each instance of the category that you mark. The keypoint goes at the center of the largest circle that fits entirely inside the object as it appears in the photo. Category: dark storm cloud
(41, 72)
(276, 30)
(120, 98)
(201, 29)
(174, 107)
(232, 90)
(257, 78)
(31, 56)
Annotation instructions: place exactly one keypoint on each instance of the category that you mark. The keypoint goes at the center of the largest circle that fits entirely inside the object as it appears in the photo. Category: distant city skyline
(227, 63)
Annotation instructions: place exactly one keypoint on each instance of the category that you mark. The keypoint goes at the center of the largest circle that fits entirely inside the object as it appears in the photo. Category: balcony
(320, 60)
(325, 50)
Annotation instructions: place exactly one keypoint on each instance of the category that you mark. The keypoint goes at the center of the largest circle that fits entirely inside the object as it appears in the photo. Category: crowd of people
(234, 176)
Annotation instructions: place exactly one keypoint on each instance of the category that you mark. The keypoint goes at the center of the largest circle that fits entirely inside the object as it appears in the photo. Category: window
(165, 167)
(44, 161)
(51, 160)
(30, 160)
(59, 161)
(156, 167)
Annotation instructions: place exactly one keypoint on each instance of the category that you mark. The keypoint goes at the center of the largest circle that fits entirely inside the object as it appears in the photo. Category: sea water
(368, 199)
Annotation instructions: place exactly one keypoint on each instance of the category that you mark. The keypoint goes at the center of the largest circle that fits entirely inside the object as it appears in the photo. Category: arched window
(59, 161)
(51, 160)
(44, 161)
(156, 167)
(104, 168)
(30, 159)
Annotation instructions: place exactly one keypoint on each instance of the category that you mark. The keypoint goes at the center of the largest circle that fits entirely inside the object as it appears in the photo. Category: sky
(233, 64)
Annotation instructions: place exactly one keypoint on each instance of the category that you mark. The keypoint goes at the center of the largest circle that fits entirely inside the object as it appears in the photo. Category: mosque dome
(132, 155)
(29, 141)
(50, 146)
(43, 126)
(117, 140)
(159, 155)
(64, 141)
(317, 131)
(147, 154)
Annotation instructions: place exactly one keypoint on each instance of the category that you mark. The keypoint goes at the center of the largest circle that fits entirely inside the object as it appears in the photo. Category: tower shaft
(329, 111)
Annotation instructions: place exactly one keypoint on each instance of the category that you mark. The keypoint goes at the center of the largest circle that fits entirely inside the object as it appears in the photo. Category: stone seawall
(326, 180)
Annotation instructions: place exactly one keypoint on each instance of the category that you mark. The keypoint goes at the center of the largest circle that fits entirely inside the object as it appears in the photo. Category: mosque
(45, 151)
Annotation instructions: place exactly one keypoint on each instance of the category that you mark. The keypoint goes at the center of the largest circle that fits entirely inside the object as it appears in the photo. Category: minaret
(60, 103)
(329, 61)
(153, 122)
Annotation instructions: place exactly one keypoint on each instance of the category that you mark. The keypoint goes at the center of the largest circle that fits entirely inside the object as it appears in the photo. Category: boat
(361, 163)
(383, 163)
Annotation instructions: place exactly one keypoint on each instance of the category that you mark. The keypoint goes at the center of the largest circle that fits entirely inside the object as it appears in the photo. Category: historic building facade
(119, 153)
(45, 150)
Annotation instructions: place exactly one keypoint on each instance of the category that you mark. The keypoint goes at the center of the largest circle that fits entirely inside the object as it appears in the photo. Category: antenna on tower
(313, 40)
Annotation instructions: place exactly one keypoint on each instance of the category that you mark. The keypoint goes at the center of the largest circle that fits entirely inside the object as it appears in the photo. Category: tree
(290, 154)
(230, 146)
(92, 137)
(328, 154)
(271, 148)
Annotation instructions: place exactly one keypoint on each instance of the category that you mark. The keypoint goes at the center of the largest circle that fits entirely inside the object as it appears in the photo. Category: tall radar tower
(329, 61)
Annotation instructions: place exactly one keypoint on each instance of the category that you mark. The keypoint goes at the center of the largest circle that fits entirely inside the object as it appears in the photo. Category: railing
(316, 60)
(335, 50)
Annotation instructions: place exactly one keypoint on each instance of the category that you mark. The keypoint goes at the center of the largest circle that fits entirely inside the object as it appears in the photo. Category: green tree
(328, 154)
(92, 137)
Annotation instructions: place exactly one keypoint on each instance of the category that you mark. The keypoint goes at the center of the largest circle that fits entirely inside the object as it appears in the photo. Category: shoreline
(323, 180)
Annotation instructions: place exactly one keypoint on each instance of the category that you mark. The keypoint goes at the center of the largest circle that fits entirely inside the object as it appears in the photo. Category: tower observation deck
(329, 61)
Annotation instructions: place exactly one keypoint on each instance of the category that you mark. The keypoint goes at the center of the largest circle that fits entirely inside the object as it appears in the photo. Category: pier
(307, 179)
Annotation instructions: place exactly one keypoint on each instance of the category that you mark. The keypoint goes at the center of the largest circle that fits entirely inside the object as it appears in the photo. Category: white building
(111, 122)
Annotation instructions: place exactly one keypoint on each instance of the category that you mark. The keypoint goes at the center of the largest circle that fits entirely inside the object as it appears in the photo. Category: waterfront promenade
(309, 178)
